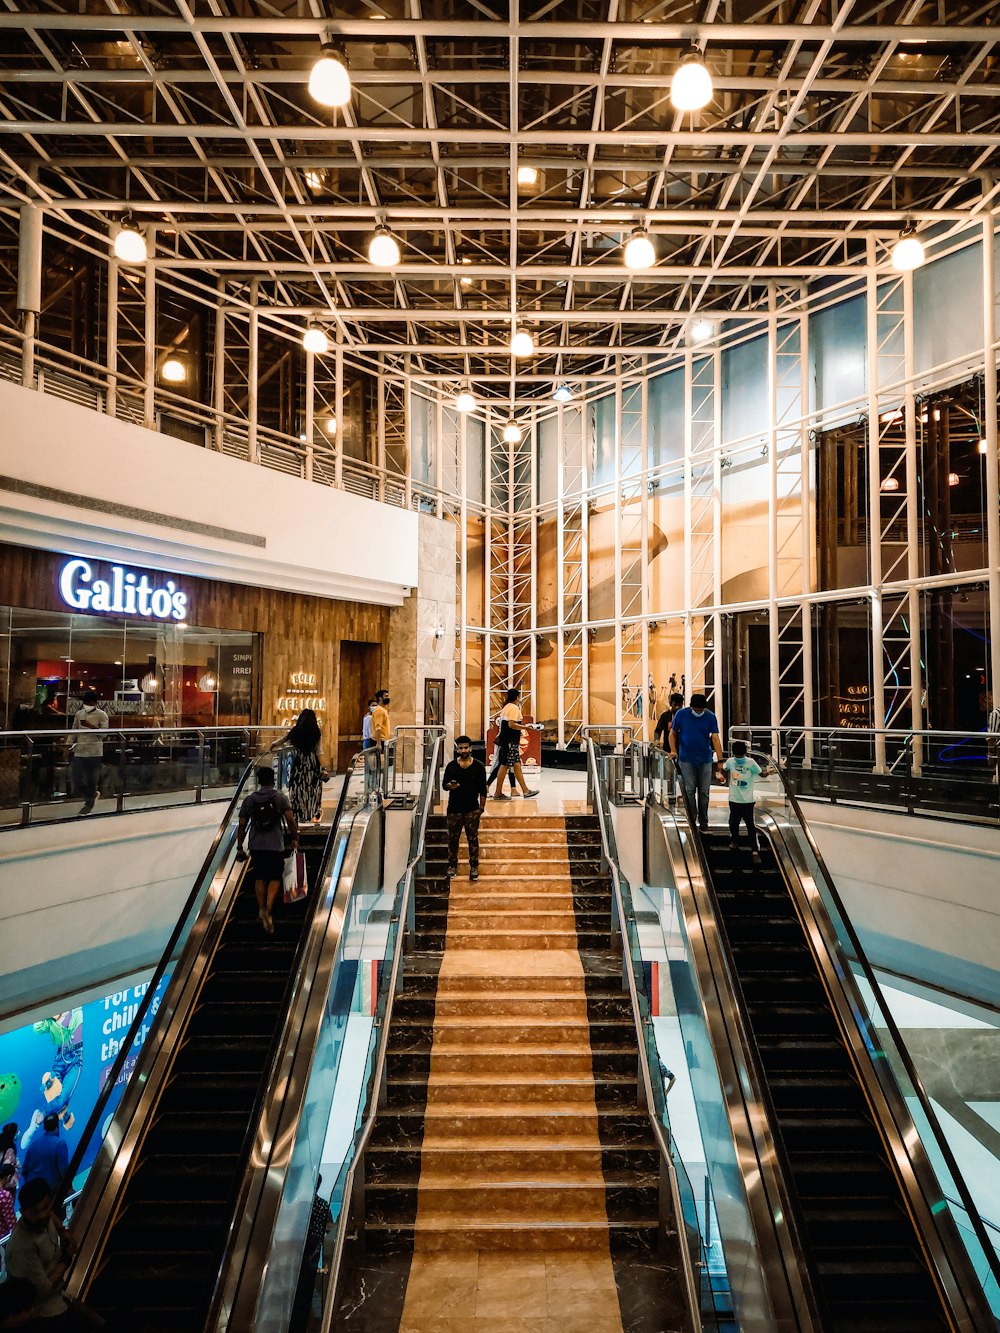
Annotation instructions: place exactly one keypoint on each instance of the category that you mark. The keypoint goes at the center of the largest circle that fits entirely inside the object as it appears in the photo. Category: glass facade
(146, 674)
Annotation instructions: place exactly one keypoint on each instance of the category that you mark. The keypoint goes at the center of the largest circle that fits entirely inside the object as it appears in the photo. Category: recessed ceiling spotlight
(315, 340)
(527, 176)
(129, 243)
(908, 253)
(512, 432)
(563, 394)
(329, 80)
(640, 252)
(691, 86)
(383, 249)
(173, 370)
(522, 343)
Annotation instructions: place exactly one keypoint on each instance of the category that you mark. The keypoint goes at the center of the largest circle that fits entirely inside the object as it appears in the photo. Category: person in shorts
(265, 815)
(742, 772)
(509, 744)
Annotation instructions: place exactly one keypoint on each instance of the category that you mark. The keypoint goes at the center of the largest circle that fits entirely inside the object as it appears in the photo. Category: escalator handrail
(839, 975)
(748, 1065)
(268, 1104)
(903, 1053)
(387, 992)
(135, 1027)
(655, 1110)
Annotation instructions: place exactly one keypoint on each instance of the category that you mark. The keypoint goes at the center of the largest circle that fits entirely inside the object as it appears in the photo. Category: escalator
(868, 1269)
(161, 1255)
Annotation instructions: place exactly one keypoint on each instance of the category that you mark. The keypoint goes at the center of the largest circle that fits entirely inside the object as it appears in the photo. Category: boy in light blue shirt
(742, 771)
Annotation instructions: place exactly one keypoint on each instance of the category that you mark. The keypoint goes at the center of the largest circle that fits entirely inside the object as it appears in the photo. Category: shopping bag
(293, 879)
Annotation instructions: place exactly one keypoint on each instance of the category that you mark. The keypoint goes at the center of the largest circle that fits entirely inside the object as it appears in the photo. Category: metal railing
(140, 768)
(951, 774)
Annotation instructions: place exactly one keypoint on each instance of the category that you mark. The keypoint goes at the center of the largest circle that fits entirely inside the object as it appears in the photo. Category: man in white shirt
(509, 746)
(88, 749)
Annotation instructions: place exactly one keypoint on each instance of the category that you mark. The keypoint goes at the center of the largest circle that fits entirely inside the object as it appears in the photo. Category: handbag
(293, 877)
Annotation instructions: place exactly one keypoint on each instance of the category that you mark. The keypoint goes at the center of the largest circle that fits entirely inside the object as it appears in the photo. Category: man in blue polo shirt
(47, 1156)
(694, 738)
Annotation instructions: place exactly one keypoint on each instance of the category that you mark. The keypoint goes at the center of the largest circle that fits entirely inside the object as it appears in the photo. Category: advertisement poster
(531, 745)
(60, 1064)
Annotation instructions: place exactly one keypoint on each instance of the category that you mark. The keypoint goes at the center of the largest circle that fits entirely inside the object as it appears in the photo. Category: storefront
(169, 650)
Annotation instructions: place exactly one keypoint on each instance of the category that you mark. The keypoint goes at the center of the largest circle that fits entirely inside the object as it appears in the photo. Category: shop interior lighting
(522, 343)
(890, 484)
(691, 86)
(129, 243)
(383, 249)
(173, 370)
(315, 340)
(908, 253)
(701, 330)
(329, 79)
(465, 401)
(563, 394)
(527, 176)
(953, 478)
(512, 432)
(640, 251)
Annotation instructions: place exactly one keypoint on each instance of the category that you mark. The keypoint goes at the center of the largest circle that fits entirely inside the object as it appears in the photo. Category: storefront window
(145, 674)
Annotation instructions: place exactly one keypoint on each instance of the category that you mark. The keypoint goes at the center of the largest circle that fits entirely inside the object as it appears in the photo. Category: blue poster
(60, 1064)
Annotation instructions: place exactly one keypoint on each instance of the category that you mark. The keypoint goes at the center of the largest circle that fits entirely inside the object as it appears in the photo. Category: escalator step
(171, 1226)
(836, 1133)
(253, 960)
(237, 1054)
(249, 1019)
(208, 1093)
(176, 1133)
(205, 1179)
(233, 987)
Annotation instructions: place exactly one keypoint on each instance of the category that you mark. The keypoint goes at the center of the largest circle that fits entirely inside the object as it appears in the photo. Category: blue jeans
(697, 778)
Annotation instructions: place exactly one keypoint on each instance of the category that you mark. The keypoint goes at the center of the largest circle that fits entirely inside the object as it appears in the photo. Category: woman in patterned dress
(305, 783)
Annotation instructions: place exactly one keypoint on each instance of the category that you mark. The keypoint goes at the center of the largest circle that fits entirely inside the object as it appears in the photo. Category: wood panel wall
(300, 633)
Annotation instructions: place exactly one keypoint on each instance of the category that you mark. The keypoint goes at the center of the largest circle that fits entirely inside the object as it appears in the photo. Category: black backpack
(265, 815)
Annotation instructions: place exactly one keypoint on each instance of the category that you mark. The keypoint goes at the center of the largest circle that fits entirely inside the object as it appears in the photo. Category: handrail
(135, 1026)
(388, 989)
(609, 848)
(859, 955)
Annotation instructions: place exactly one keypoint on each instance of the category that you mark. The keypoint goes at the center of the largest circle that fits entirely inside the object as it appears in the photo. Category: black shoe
(87, 809)
(703, 828)
(733, 846)
(473, 874)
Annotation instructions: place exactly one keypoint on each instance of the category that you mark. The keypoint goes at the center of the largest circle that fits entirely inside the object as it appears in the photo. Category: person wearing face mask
(694, 739)
(366, 727)
(381, 726)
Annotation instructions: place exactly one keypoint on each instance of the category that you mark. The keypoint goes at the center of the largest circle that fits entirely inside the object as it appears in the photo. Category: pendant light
(329, 79)
(639, 250)
(383, 249)
(522, 343)
(465, 401)
(691, 87)
(908, 253)
(512, 432)
(315, 340)
(129, 243)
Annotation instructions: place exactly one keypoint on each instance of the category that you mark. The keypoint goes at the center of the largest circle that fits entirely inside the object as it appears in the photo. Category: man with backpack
(266, 813)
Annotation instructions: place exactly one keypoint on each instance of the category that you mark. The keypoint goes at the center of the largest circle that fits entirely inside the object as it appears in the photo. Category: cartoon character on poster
(58, 1083)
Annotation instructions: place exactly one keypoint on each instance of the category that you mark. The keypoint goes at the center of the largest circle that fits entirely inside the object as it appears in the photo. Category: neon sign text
(126, 594)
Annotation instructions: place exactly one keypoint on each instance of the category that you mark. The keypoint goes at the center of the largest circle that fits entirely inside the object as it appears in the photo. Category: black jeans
(741, 812)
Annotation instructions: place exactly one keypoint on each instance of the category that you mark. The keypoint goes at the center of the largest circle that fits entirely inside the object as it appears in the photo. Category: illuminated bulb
(331, 426)
(522, 343)
(383, 249)
(329, 81)
(315, 340)
(981, 447)
(466, 282)
(173, 371)
(512, 432)
(303, 438)
(314, 180)
(465, 401)
(953, 479)
(890, 484)
(702, 330)
(130, 244)
(639, 250)
(691, 86)
(564, 394)
(908, 252)
(527, 176)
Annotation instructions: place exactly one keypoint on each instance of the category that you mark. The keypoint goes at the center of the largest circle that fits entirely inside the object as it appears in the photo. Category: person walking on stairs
(465, 782)
(510, 751)
(694, 738)
(266, 813)
(742, 772)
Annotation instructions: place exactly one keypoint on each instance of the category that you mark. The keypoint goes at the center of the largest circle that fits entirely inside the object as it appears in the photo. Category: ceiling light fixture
(512, 432)
(908, 253)
(383, 249)
(527, 176)
(331, 425)
(315, 340)
(329, 79)
(953, 478)
(465, 401)
(981, 447)
(563, 394)
(173, 370)
(701, 330)
(890, 484)
(640, 252)
(129, 243)
(691, 86)
(521, 343)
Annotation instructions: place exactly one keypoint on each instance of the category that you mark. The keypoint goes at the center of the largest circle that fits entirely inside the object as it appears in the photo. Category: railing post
(120, 802)
(201, 768)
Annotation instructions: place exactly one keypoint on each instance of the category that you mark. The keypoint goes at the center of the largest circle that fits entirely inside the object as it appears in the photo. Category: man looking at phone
(465, 782)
